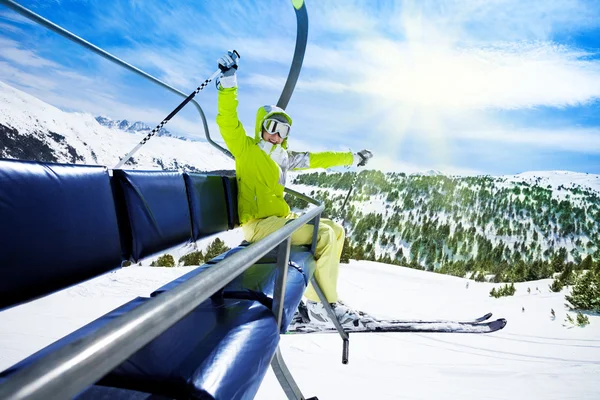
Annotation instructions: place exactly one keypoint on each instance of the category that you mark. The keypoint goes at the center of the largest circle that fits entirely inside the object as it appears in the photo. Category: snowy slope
(529, 220)
(534, 357)
(79, 138)
(557, 179)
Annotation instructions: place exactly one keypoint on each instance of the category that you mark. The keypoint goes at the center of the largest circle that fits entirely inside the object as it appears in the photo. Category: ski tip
(498, 324)
(485, 317)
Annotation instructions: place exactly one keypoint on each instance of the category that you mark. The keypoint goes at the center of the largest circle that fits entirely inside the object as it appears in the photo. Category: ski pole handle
(159, 126)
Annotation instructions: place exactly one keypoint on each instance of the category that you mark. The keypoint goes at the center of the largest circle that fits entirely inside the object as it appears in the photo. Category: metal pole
(69, 370)
(285, 378)
(76, 39)
(299, 50)
(345, 336)
(315, 237)
(283, 258)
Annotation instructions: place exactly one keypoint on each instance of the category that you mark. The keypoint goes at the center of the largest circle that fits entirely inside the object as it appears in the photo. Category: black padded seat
(208, 204)
(262, 278)
(221, 350)
(58, 227)
(156, 210)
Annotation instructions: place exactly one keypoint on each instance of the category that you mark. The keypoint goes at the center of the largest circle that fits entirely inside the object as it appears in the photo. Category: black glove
(362, 157)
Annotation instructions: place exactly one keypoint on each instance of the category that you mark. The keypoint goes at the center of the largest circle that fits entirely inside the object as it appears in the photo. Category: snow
(555, 179)
(102, 145)
(534, 357)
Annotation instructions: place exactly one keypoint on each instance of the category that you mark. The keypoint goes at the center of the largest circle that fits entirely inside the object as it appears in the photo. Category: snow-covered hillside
(34, 130)
(534, 357)
(557, 179)
(437, 220)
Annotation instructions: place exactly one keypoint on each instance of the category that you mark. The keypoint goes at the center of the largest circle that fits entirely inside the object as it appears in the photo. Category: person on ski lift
(261, 165)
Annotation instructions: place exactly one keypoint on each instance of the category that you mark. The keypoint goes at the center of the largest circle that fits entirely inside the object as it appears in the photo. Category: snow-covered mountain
(31, 129)
(557, 180)
(429, 172)
(135, 127)
(498, 225)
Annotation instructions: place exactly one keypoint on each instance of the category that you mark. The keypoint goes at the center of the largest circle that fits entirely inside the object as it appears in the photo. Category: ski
(420, 326)
(420, 321)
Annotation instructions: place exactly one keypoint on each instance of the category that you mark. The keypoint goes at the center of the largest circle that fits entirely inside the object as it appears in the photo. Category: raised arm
(230, 126)
(227, 118)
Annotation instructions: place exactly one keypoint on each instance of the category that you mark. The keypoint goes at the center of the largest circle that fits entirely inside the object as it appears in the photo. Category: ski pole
(347, 197)
(171, 115)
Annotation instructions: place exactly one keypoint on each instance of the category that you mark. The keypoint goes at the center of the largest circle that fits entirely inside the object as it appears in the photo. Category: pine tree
(587, 263)
(582, 320)
(166, 260)
(193, 258)
(216, 248)
(586, 293)
(346, 251)
(556, 286)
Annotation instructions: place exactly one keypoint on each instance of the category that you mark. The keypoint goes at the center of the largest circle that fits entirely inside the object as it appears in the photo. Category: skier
(261, 165)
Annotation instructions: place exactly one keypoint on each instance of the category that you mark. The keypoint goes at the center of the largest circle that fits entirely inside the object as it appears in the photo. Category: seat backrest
(208, 204)
(58, 227)
(232, 201)
(156, 209)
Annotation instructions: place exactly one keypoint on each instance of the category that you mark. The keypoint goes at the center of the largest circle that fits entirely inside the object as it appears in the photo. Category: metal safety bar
(71, 369)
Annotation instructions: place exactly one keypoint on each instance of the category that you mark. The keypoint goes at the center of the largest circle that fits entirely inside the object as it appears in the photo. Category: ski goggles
(273, 126)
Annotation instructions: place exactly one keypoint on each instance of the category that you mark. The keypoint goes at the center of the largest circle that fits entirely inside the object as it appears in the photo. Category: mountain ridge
(31, 129)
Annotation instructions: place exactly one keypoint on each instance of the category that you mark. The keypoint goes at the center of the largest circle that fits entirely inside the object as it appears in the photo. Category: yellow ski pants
(330, 243)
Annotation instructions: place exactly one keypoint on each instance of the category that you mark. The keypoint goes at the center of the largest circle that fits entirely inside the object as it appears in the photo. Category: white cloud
(388, 163)
(580, 140)
(11, 51)
(505, 76)
(9, 28)
(14, 17)
(15, 76)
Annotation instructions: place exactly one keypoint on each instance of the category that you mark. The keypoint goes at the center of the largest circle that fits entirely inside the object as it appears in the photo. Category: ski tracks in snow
(486, 352)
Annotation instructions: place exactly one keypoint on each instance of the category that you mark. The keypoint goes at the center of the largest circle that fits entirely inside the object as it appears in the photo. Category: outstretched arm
(325, 159)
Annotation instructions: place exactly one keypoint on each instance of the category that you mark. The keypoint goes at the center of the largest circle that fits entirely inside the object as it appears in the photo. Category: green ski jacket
(260, 180)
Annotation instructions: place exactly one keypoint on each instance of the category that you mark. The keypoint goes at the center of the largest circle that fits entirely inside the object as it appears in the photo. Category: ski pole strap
(167, 119)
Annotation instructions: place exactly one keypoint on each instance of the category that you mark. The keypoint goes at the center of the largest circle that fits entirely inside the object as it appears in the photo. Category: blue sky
(470, 87)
